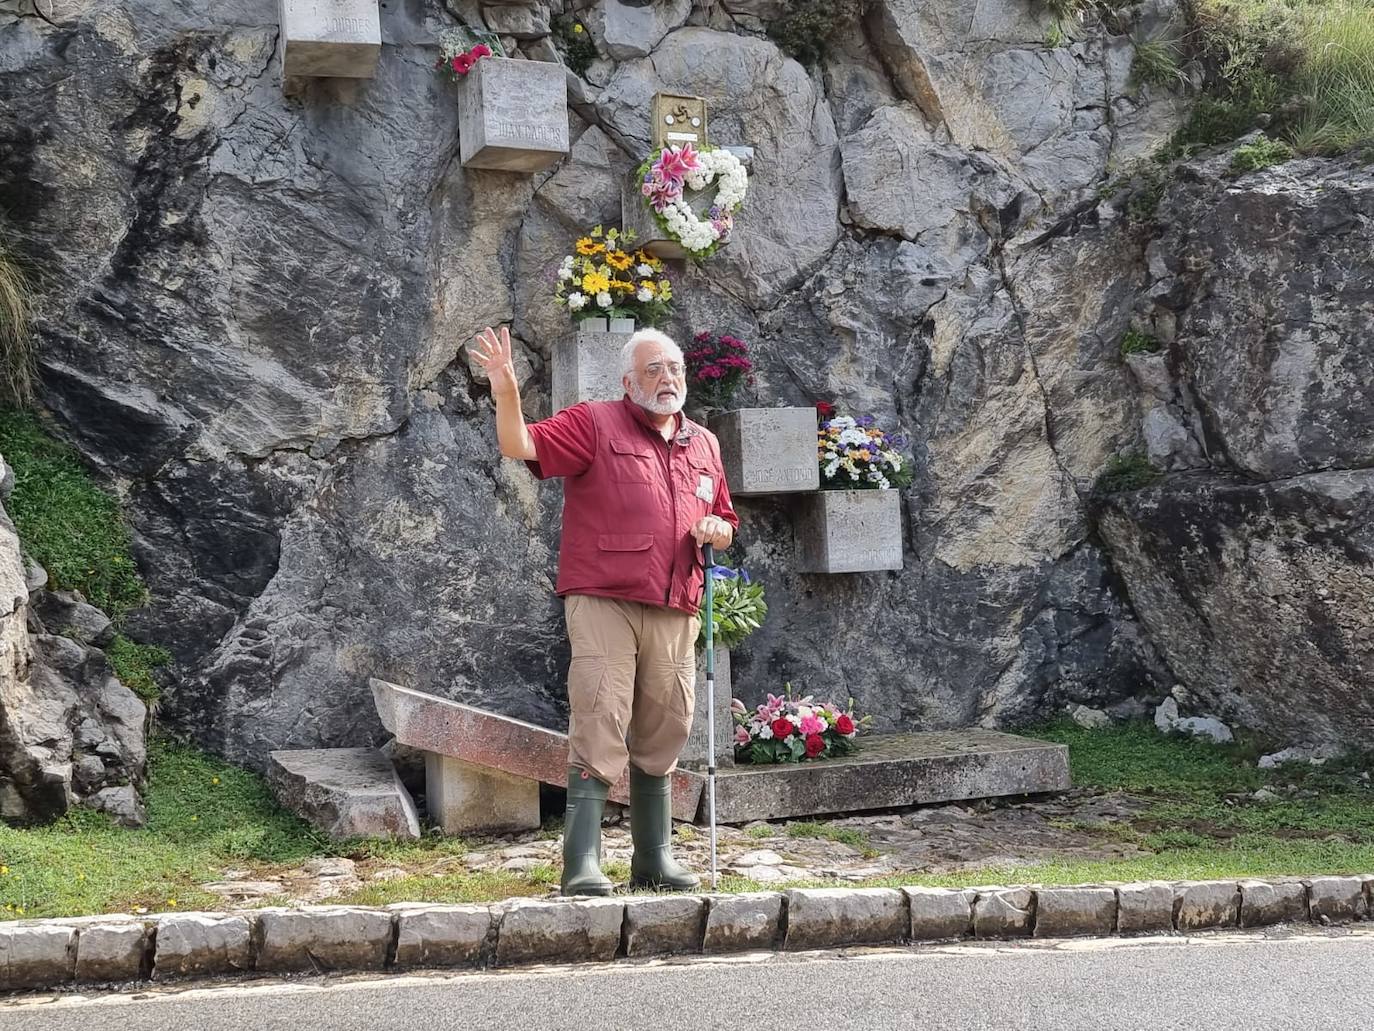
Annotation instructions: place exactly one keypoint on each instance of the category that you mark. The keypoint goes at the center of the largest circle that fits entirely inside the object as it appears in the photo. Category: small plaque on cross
(677, 120)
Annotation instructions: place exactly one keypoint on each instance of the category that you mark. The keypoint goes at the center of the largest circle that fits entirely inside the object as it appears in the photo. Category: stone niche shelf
(513, 115)
(586, 363)
(849, 531)
(768, 450)
(336, 38)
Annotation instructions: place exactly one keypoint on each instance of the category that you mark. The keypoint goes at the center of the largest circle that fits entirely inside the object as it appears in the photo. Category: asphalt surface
(1283, 978)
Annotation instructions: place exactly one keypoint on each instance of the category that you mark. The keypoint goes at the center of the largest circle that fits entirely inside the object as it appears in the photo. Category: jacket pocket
(625, 541)
(632, 461)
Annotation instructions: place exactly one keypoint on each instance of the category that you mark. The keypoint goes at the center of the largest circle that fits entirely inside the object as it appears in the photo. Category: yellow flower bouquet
(607, 276)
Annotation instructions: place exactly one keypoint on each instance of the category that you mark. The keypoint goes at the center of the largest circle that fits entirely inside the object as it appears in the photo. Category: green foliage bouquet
(737, 606)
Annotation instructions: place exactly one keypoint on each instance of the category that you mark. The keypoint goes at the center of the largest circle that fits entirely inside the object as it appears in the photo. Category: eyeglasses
(655, 370)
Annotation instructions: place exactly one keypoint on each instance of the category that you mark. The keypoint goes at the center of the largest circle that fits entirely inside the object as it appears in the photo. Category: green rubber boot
(582, 836)
(651, 829)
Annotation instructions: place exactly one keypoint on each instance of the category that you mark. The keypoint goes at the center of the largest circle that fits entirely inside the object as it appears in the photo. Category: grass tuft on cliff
(1302, 69)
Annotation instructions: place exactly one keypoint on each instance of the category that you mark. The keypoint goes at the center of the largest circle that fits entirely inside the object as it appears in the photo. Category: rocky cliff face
(257, 293)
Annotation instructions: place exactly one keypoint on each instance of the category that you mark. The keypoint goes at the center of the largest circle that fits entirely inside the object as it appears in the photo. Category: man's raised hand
(494, 355)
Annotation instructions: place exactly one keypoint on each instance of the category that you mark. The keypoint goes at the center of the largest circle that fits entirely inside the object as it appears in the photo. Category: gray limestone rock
(1338, 899)
(40, 956)
(1004, 913)
(1263, 902)
(1259, 596)
(940, 913)
(1200, 904)
(1145, 906)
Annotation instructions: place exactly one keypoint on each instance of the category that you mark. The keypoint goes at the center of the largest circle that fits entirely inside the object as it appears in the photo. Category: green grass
(824, 831)
(66, 523)
(1136, 342)
(1261, 154)
(1305, 68)
(134, 664)
(18, 364)
(807, 27)
(1199, 820)
(1126, 472)
(1157, 61)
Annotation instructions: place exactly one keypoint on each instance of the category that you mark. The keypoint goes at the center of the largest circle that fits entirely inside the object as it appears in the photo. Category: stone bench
(483, 770)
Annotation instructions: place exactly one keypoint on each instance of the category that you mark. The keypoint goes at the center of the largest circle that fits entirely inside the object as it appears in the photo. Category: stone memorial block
(694, 752)
(331, 37)
(586, 367)
(849, 531)
(513, 115)
(768, 450)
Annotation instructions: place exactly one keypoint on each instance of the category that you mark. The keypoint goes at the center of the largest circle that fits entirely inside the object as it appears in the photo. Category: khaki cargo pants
(631, 685)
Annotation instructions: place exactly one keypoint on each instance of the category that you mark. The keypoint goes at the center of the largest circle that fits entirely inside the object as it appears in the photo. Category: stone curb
(119, 950)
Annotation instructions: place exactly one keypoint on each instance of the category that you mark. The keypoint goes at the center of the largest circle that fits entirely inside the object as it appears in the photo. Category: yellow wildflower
(172, 903)
(577, 27)
(214, 780)
(595, 283)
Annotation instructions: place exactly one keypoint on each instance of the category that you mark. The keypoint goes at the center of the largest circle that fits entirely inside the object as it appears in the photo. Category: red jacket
(630, 501)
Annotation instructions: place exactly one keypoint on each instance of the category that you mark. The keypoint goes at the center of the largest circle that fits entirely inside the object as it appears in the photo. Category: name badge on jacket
(706, 488)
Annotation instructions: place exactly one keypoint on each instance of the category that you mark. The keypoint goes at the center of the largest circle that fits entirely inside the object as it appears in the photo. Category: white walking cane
(709, 553)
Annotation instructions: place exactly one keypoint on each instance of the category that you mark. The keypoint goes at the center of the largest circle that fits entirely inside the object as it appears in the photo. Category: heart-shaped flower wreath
(663, 177)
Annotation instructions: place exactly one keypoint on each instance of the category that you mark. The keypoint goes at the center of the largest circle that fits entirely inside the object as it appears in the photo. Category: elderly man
(644, 489)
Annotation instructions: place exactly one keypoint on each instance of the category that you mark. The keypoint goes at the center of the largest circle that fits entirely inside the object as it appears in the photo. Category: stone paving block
(36, 955)
(819, 918)
(1144, 906)
(194, 944)
(1064, 912)
(1264, 902)
(440, 936)
(672, 925)
(1339, 899)
(1004, 913)
(1206, 904)
(539, 931)
(323, 938)
(738, 922)
(112, 950)
(940, 913)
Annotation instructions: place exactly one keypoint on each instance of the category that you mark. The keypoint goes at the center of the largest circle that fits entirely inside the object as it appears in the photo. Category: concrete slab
(346, 792)
(463, 798)
(434, 724)
(895, 770)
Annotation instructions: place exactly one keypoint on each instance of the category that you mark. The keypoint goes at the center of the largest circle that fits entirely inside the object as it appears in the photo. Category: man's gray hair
(627, 353)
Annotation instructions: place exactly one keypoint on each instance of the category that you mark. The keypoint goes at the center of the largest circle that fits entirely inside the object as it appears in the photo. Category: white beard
(653, 404)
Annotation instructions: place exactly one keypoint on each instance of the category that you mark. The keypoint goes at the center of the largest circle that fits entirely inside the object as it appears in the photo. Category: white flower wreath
(701, 235)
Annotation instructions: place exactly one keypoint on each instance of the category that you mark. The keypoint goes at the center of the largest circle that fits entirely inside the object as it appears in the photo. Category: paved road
(1286, 978)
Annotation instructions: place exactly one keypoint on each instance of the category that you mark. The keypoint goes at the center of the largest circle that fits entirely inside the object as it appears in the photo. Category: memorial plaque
(675, 120)
(341, 38)
(768, 450)
(694, 751)
(513, 115)
(849, 531)
(586, 367)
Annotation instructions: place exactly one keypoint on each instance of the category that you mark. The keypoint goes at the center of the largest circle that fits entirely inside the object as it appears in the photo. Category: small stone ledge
(116, 949)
